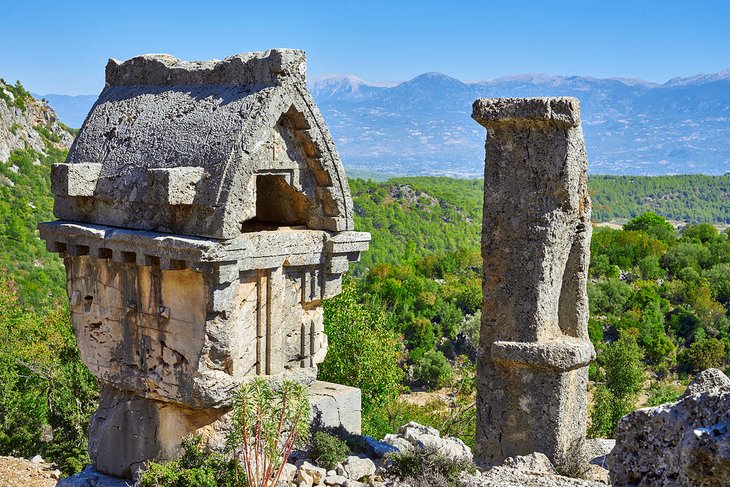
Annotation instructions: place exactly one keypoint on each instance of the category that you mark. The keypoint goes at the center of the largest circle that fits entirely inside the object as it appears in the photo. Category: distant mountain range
(423, 126)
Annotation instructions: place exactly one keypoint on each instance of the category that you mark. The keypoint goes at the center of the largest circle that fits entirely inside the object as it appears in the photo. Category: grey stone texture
(686, 443)
(90, 477)
(336, 406)
(534, 348)
(204, 216)
(414, 435)
(199, 148)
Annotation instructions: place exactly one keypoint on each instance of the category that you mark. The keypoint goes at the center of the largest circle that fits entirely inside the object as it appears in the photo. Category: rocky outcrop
(414, 435)
(27, 122)
(686, 443)
(534, 470)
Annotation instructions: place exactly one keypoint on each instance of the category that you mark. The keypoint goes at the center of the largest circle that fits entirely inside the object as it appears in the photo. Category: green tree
(363, 352)
(654, 225)
(702, 233)
(704, 354)
(45, 387)
(624, 377)
(686, 254)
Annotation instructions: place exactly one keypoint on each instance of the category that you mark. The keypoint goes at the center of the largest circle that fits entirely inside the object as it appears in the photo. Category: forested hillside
(47, 393)
(690, 198)
(413, 217)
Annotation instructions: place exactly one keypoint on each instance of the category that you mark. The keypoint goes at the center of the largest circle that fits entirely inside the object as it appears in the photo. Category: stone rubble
(414, 435)
(686, 443)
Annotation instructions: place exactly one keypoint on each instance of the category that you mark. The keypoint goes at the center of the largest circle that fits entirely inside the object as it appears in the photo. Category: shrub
(703, 354)
(362, 351)
(328, 450)
(195, 467)
(662, 394)
(607, 410)
(421, 466)
(45, 386)
(621, 361)
(624, 372)
(433, 370)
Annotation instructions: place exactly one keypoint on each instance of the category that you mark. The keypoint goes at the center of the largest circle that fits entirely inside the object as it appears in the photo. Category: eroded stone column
(534, 349)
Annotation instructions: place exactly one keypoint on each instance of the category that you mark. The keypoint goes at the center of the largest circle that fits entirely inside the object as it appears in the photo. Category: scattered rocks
(414, 435)
(534, 470)
(358, 468)
(680, 444)
(310, 474)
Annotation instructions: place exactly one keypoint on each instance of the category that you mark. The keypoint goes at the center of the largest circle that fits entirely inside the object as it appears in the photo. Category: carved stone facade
(532, 364)
(203, 216)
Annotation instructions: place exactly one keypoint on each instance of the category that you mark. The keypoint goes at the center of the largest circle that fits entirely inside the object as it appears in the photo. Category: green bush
(45, 387)
(328, 450)
(705, 353)
(194, 468)
(362, 351)
(624, 378)
(662, 394)
(421, 465)
(432, 370)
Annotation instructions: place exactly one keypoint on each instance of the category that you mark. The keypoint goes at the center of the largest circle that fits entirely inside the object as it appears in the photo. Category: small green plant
(267, 423)
(46, 133)
(428, 466)
(662, 394)
(195, 467)
(328, 450)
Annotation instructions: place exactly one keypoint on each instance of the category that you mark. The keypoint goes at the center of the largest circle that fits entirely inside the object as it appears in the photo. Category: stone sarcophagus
(203, 216)
(532, 363)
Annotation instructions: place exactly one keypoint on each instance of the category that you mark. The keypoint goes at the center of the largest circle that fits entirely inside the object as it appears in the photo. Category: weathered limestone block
(205, 216)
(336, 406)
(534, 347)
(75, 179)
(686, 443)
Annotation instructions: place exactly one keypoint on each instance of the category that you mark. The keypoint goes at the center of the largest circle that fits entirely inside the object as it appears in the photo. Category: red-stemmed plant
(268, 422)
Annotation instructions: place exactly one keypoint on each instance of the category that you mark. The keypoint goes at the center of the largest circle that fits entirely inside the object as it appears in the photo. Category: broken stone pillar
(532, 365)
(204, 214)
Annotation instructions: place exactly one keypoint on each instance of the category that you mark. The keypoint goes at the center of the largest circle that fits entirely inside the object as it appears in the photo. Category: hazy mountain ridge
(423, 125)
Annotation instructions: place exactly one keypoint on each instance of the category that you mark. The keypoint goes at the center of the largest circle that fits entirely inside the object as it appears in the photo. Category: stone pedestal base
(128, 430)
(336, 406)
(536, 400)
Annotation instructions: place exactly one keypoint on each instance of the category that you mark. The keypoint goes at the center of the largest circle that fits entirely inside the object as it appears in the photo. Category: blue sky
(62, 47)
